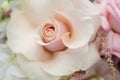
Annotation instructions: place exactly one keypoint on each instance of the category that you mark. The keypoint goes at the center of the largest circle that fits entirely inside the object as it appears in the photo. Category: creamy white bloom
(52, 38)
(9, 71)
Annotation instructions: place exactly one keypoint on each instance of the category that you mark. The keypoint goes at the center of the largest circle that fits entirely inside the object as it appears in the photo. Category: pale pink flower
(110, 15)
(52, 37)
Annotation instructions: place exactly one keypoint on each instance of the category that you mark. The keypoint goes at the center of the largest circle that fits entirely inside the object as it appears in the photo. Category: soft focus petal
(89, 9)
(105, 24)
(43, 9)
(114, 15)
(20, 37)
(110, 11)
(14, 73)
(52, 45)
(110, 15)
(4, 55)
(81, 28)
(86, 7)
(67, 62)
(33, 70)
(104, 14)
(96, 24)
(113, 43)
(8, 72)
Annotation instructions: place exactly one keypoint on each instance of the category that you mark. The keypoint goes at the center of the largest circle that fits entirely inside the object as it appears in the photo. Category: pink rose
(110, 15)
(53, 37)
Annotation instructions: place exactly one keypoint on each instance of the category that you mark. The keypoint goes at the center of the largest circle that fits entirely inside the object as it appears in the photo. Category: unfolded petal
(113, 43)
(67, 62)
(114, 16)
(33, 70)
(14, 73)
(20, 37)
(87, 7)
(81, 28)
(39, 11)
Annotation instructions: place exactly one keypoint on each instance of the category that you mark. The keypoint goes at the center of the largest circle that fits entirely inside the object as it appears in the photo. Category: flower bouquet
(59, 40)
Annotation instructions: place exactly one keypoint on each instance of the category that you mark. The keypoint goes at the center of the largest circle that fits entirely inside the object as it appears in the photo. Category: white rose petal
(39, 11)
(20, 37)
(14, 73)
(33, 71)
(64, 63)
(79, 35)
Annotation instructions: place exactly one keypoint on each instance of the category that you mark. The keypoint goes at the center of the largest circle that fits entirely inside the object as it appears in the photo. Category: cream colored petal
(40, 10)
(38, 35)
(33, 70)
(67, 62)
(20, 37)
(87, 7)
(96, 20)
(14, 73)
(81, 28)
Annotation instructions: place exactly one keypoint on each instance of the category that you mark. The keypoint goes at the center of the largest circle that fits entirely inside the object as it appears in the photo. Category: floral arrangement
(59, 40)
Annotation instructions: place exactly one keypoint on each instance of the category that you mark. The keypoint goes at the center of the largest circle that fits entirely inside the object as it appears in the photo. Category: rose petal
(39, 11)
(105, 24)
(20, 37)
(113, 43)
(14, 73)
(114, 17)
(33, 70)
(61, 29)
(104, 14)
(86, 7)
(67, 62)
(81, 28)
(89, 9)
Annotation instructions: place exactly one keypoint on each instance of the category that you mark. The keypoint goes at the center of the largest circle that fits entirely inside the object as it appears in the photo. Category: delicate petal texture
(86, 7)
(44, 9)
(33, 70)
(110, 15)
(65, 63)
(110, 11)
(76, 21)
(14, 73)
(104, 14)
(60, 30)
(22, 41)
(105, 24)
(11, 72)
(89, 9)
(114, 17)
(41, 64)
(4, 55)
(113, 43)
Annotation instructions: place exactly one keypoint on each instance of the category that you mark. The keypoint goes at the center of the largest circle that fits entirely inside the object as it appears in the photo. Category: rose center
(48, 32)
(52, 33)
